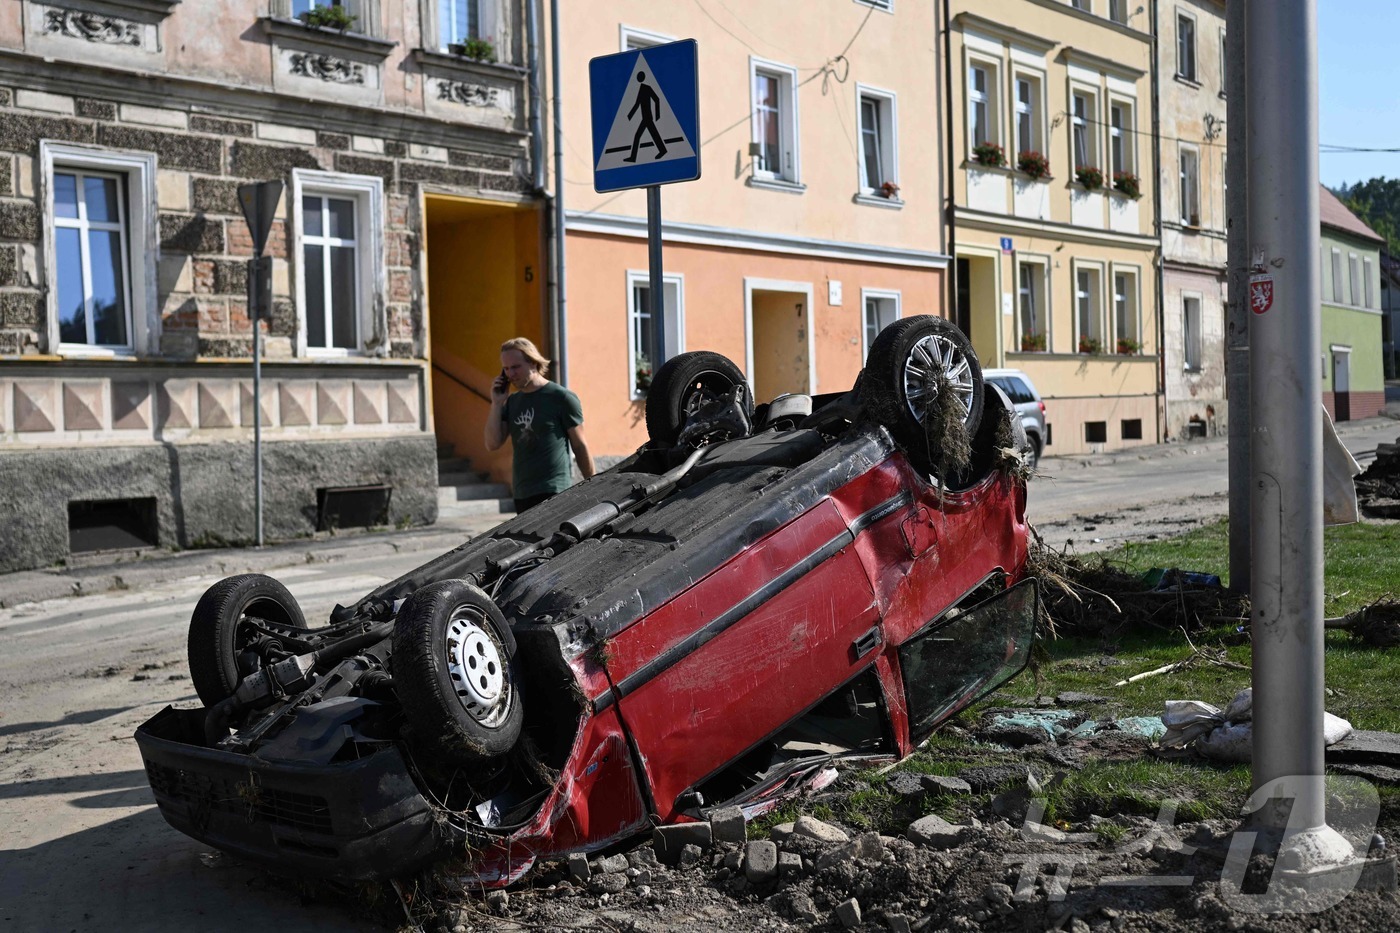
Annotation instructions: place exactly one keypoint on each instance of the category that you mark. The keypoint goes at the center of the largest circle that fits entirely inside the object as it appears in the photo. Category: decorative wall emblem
(472, 95)
(94, 28)
(327, 68)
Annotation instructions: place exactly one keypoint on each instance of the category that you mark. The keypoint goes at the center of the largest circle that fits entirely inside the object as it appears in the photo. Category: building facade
(816, 219)
(1191, 82)
(1054, 238)
(1353, 369)
(126, 128)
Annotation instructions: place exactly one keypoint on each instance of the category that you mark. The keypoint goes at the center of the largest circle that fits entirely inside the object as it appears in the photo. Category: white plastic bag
(1228, 736)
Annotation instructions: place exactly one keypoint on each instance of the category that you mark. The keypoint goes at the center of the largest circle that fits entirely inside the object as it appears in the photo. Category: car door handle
(866, 643)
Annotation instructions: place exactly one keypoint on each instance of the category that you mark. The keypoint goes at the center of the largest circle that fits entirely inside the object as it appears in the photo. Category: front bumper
(354, 820)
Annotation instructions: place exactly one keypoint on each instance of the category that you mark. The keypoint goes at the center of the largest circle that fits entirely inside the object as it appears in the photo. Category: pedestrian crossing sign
(646, 116)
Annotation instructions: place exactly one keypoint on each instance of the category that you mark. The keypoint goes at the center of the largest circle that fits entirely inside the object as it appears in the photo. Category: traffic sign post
(259, 202)
(646, 133)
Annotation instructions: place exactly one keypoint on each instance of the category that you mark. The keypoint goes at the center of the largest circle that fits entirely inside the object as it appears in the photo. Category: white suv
(1019, 388)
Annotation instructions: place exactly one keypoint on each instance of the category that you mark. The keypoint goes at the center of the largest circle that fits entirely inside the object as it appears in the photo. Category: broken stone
(669, 841)
(640, 876)
(608, 884)
(803, 908)
(644, 857)
(905, 784)
(780, 833)
(611, 864)
(813, 828)
(866, 846)
(497, 901)
(690, 855)
(898, 923)
(733, 860)
(578, 867)
(988, 778)
(1012, 804)
(727, 825)
(761, 861)
(935, 832)
(848, 912)
(789, 865)
(998, 896)
(938, 784)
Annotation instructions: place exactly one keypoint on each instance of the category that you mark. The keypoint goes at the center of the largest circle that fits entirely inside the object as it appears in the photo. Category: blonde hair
(527, 349)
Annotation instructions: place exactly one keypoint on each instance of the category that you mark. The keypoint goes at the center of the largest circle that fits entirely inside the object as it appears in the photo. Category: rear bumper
(354, 820)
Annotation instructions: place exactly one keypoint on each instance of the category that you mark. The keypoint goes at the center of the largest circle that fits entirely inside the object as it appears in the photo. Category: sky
(1358, 104)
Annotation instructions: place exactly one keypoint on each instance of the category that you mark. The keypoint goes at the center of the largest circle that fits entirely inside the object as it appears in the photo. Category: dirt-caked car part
(452, 668)
(232, 620)
(914, 364)
(684, 384)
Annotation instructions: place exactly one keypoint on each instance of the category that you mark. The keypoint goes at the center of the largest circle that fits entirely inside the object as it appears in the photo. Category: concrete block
(155, 116)
(848, 913)
(578, 867)
(24, 182)
(367, 144)
(781, 832)
(282, 133)
(789, 866)
(935, 832)
(813, 828)
(761, 861)
(938, 784)
(905, 784)
(610, 864)
(427, 153)
(668, 841)
(727, 825)
(173, 190)
(42, 100)
(866, 846)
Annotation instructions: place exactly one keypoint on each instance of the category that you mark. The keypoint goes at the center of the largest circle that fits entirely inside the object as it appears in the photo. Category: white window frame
(142, 245)
(366, 13)
(1354, 279)
(1193, 76)
(1188, 187)
(887, 137)
(630, 38)
(789, 125)
(1224, 62)
(991, 98)
(367, 191)
(876, 294)
(490, 24)
(1133, 273)
(1192, 340)
(1118, 11)
(1370, 280)
(1085, 6)
(1337, 276)
(1040, 294)
(675, 322)
(1095, 295)
(1090, 125)
(1036, 112)
(1125, 136)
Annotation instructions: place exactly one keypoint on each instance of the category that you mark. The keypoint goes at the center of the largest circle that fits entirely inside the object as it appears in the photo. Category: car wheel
(221, 634)
(1033, 459)
(908, 363)
(682, 385)
(453, 673)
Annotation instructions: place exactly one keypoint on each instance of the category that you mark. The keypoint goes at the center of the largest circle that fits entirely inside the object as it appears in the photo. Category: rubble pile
(1378, 488)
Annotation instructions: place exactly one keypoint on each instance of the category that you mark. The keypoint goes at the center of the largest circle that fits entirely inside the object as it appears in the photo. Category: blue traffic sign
(646, 116)
(1006, 244)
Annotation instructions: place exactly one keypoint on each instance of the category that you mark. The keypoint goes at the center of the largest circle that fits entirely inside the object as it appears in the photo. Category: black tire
(682, 385)
(454, 675)
(219, 630)
(1033, 459)
(897, 379)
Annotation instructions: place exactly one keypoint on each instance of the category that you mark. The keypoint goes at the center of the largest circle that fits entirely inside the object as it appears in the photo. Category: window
(1096, 432)
(877, 146)
(1130, 429)
(1086, 305)
(1191, 332)
(1125, 312)
(1224, 64)
(1337, 276)
(1370, 283)
(633, 38)
(338, 221)
(1185, 47)
(1032, 317)
(1118, 11)
(881, 310)
(774, 122)
(640, 332)
(982, 104)
(1085, 130)
(1081, 5)
(99, 213)
(366, 12)
(1189, 179)
(1354, 267)
(1120, 137)
(459, 20)
(1028, 115)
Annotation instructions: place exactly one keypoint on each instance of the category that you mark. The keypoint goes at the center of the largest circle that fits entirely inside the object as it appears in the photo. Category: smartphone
(502, 381)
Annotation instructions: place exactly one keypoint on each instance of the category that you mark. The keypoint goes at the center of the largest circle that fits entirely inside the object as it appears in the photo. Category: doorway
(778, 333)
(1341, 383)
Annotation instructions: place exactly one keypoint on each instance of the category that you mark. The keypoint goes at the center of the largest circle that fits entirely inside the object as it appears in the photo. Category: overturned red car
(755, 594)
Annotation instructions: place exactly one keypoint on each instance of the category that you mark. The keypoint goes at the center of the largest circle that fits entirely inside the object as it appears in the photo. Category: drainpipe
(1155, 69)
(532, 41)
(561, 334)
(952, 165)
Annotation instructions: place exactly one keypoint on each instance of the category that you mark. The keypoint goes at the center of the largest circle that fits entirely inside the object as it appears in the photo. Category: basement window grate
(352, 507)
(112, 524)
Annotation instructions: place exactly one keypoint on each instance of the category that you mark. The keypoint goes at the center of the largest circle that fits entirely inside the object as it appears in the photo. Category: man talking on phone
(543, 421)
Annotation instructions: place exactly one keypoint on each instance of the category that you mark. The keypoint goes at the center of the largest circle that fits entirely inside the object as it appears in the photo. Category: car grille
(248, 799)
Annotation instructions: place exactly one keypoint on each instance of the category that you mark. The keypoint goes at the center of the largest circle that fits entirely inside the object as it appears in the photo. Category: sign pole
(259, 202)
(254, 313)
(656, 283)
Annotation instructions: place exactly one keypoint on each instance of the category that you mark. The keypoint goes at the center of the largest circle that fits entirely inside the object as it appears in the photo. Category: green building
(1353, 372)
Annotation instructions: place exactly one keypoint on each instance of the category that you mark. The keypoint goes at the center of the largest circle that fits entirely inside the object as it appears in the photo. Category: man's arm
(580, 449)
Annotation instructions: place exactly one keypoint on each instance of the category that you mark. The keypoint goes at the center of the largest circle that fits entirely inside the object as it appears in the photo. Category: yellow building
(818, 217)
(1054, 224)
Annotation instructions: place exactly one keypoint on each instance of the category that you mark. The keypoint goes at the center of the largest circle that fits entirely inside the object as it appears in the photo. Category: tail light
(1042, 406)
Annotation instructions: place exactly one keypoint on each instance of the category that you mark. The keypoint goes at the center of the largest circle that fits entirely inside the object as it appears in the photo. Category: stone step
(465, 478)
(454, 465)
(472, 491)
(457, 508)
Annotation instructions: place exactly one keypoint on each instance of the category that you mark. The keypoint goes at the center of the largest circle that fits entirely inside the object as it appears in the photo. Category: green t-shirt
(538, 422)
